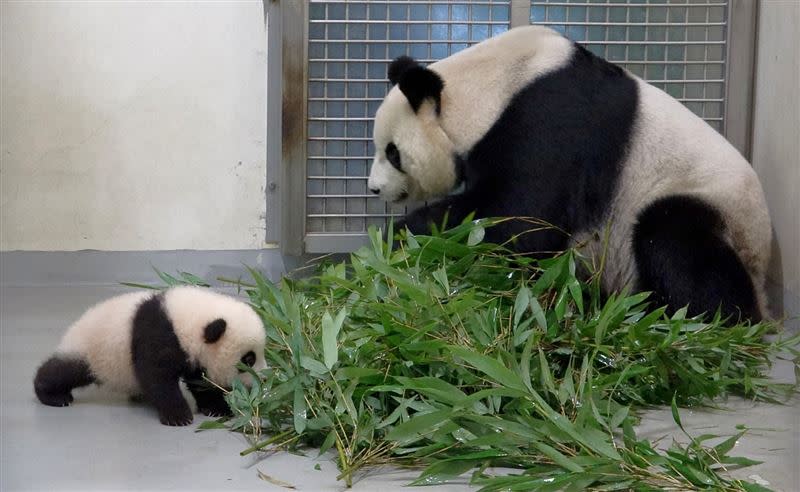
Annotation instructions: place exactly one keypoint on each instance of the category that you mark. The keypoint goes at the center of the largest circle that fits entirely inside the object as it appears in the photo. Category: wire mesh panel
(350, 45)
(678, 46)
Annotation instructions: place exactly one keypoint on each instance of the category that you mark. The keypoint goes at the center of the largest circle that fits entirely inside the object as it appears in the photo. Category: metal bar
(355, 195)
(462, 41)
(721, 3)
(274, 205)
(410, 2)
(627, 24)
(293, 125)
(335, 243)
(405, 21)
(338, 177)
(520, 13)
(741, 54)
(340, 216)
(421, 60)
(658, 81)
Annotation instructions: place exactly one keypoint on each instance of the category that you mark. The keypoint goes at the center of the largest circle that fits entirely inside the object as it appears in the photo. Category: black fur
(159, 363)
(214, 330)
(683, 259)
(393, 156)
(249, 359)
(210, 400)
(554, 154)
(399, 66)
(56, 378)
(416, 82)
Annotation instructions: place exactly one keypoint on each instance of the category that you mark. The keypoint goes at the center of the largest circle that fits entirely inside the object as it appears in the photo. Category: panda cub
(143, 343)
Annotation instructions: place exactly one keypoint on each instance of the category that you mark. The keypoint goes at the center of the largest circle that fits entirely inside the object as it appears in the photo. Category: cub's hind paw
(55, 400)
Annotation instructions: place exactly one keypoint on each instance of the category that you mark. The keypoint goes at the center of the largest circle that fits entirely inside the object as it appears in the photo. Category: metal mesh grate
(350, 45)
(678, 46)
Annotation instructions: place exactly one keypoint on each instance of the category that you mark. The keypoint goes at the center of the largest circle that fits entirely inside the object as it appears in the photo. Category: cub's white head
(217, 332)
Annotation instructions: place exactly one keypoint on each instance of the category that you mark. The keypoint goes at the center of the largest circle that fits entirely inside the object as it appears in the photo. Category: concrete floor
(103, 442)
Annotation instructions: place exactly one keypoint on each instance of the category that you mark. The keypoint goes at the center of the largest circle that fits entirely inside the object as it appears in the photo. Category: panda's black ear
(214, 330)
(399, 66)
(416, 82)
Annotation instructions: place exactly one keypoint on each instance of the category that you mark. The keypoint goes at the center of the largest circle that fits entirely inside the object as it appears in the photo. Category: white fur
(102, 336)
(674, 151)
(191, 309)
(478, 86)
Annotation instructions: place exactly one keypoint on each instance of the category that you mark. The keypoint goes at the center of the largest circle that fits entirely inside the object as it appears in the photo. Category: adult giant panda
(142, 344)
(533, 125)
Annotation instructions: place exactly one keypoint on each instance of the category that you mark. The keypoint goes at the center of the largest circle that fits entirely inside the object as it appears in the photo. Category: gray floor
(104, 443)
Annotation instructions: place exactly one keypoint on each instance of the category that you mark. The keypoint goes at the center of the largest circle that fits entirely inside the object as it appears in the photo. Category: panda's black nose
(376, 191)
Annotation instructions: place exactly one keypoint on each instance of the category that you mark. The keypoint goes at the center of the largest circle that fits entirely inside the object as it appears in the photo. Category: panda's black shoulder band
(461, 169)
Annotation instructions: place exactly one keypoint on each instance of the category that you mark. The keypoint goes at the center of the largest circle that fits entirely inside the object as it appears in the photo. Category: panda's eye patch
(393, 156)
(249, 359)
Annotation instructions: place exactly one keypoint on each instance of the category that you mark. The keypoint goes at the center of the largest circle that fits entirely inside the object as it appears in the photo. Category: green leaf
(675, 415)
(443, 471)
(538, 312)
(212, 424)
(299, 410)
(328, 443)
(723, 448)
(476, 235)
(434, 387)
(561, 303)
(558, 458)
(739, 461)
(493, 369)
(330, 331)
(545, 374)
(314, 366)
(441, 276)
(575, 291)
(619, 416)
(419, 426)
(521, 304)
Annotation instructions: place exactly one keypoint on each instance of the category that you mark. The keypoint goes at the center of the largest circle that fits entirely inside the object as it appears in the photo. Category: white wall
(132, 126)
(776, 140)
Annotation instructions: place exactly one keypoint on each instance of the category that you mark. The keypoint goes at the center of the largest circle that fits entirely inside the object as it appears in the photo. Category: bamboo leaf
(521, 304)
(330, 331)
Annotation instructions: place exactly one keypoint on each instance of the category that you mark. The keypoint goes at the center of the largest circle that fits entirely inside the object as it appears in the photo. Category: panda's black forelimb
(448, 212)
(210, 400)
(159, 362)
(683, 259)
(58, 376)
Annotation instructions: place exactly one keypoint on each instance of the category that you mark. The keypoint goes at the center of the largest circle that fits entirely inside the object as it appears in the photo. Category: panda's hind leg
(682, 257)
(58, 376)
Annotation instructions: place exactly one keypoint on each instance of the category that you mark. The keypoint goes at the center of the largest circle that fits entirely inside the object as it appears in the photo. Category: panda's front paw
(176, 417)
(216, 410)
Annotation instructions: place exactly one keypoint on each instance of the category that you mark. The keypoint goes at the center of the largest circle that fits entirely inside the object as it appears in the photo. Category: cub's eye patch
(393, 156)
(248, 359)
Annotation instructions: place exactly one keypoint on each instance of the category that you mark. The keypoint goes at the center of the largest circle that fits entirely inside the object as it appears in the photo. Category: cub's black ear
(214, 330)
(417, 83)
